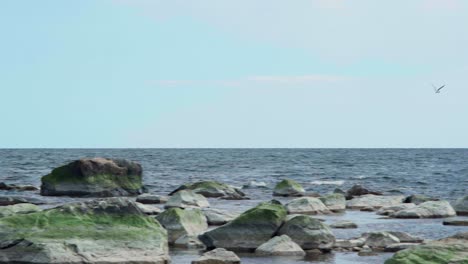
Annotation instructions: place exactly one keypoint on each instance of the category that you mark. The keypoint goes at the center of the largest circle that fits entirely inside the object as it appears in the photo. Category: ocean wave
(339, 182)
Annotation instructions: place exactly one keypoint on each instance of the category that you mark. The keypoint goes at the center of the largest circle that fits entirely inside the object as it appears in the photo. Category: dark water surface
(441, 173)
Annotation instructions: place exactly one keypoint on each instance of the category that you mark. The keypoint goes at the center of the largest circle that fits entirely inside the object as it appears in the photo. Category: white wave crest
(340, 182)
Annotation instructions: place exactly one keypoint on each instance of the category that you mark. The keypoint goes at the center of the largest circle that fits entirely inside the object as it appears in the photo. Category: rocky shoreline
(146, 227)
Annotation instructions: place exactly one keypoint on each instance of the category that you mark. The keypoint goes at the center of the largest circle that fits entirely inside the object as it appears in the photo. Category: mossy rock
(213, 189)
(24, 208)
(249, 230)
(179, 222)
(288, 187)
(99, 231)
(309, 233)
(97, 177)
(336, 202)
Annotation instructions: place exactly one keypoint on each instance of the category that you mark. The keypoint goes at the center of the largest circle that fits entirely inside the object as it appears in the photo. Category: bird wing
(440, 88)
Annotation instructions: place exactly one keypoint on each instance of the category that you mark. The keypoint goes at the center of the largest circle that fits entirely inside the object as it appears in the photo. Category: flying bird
(437, 90)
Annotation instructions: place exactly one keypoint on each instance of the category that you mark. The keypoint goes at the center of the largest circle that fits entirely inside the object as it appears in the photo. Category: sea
(439, 173)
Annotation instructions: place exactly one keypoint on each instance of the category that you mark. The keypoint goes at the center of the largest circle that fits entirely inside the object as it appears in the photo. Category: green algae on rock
(249, 230)
(179, 222)
(98, 177)
(213, 189)
(288, 187)
(309, 233)
(23, 208)
(100, 231)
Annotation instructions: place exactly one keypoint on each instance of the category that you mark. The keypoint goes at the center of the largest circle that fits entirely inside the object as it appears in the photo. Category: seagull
(437, 90)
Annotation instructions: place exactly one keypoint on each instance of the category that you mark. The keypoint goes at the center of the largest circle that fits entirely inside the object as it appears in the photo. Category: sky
(244, 73)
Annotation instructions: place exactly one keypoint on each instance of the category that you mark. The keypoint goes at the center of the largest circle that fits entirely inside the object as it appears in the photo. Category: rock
(368, 209)
(11, 200)
(456, 222)
(190, 242)
(187, 199)
(96, 177)
(344, 225)
(432, 209)
(249, 230)
(388, 210)
(213, 189)
(359, 190)
(254, 184)
(151, 199)
(8, 187)
(308, 233)
(291, 216)
(380, 239)
(179, 222)
(99, 231)
(149, 209)
(338, 190)
(306, 205)
(218, 256)
(418, 199)
(351, 243)
(370, 200)
(336, 202)
(288, 187)
(405, 237)
(399, 246)
(280, 246)
(445, 251)
(461, 206)
(23, 208)
(218, 217)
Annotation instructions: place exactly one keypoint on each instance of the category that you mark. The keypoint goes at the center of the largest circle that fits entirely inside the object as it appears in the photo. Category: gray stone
(15, 199)
(376, 201)
(351, 243)
(306, 205)
(336, 202)
(179, 222)
(280, 246)
(18, 209)
(461, 206)
(405, 237)
(189, 242)
(388, 210)
(218, 256)
(418, 199)
(218, 217)
(149, 209)
(380, 239)
(14, 187)
(288, 187)
(344, 225)
(399, 246)
(187, 199)
(432, 209)
(151, 199)
(308, 233)
(213, 189)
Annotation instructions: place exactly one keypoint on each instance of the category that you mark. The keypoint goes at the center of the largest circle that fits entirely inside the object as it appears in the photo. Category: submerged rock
(461, 206)
(306, 205)
(18, 209)
(358, 190)
(432, 209)
(336, 202)
(8, 187)
(456, 222)
(248, 231)
(288, 187)
(218, 217)
(218, 256)
(96, 177)
(179, 222)
(308, 233)
(213, 189)
(187, 199)
(445, 251)
(254, 184)
(418, 199)
(100, 231)
(370, 200)
(151, 199)
(13, 199)
(388, 210)
(280, 246)
(344, 225)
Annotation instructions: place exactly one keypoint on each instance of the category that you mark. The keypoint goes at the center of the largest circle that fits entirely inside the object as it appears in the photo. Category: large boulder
(336, 202)
(18, 209)
(452, 250)
(461, 206)
(432, 209)
(358, 190)
(306, 205)
(280, 246)
(288, 187)
(179, 222)
(96, 177)
(248, 231)
(218, 217)
(213, 189)
(374, 201)
(218, 256)
(187, 199)
(100, 231)
(309, 233)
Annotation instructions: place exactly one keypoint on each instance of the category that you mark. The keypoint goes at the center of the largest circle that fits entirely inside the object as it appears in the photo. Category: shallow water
(441, 173)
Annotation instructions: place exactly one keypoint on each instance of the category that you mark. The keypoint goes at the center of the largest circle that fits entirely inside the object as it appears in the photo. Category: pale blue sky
(244, 73)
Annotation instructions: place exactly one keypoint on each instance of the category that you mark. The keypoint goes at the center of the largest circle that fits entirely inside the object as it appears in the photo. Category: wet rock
(399, 246)
(359, 190)
(461, 206)
(213, 189)
(306, 205)
(179, 222)
(335, 202)
(189, 242)
(99, 231)
(432, 209)
(151, 199)
(340, 191)
(254, 184)
(308, 233)
(344, 225)
(370, 200)
(96, 177)
(8, 187)
(405, 237)
(13, 199)
(388, 210)
(218, 256)
(380, 239)
(418, 199)
(280, 246)
(23, 208)
(288, 187)
(291, 216)
(218, 217)
(445, 251)
(248, 231)
(351, 243)
(456, 222)
(187, 199)
(368, 209)
(149, 209)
